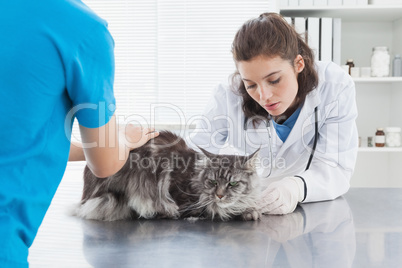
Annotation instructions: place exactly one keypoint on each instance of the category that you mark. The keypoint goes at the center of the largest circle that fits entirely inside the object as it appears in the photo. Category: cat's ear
(206, 153)
(251, 160)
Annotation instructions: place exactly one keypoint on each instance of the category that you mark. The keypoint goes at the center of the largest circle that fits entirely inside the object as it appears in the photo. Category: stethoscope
(268, 124)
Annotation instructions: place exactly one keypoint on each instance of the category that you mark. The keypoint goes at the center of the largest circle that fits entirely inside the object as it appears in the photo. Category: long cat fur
(167, 179)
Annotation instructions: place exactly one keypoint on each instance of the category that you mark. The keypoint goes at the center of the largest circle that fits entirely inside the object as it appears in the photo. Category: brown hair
(270, 35)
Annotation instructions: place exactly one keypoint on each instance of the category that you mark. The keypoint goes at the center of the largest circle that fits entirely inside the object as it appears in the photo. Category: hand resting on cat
(167, 179)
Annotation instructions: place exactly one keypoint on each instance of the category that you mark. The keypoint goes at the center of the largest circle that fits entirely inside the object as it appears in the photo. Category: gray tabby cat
(167, 179)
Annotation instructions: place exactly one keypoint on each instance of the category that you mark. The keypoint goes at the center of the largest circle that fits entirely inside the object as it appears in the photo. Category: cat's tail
(105, 208)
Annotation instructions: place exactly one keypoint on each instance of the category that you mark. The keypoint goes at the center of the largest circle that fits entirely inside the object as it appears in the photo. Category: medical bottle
(393, 136)
(397, 66)
(369, 141)
(379, 138)
(380, 61)
(350, 63)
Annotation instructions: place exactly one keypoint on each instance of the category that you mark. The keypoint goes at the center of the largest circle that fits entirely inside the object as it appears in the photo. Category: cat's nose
(219, 196)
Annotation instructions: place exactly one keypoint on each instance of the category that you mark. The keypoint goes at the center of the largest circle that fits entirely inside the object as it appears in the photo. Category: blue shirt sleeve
(90, 78)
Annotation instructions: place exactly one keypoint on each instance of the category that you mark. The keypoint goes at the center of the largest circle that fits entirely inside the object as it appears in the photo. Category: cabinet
(379, 100)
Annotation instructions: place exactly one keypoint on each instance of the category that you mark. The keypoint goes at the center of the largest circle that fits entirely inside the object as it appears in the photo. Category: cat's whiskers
(202, 212)
(198, 205)
(184, 191)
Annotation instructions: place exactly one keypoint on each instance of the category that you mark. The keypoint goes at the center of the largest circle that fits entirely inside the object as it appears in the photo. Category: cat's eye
(233, 183)
(213, 182)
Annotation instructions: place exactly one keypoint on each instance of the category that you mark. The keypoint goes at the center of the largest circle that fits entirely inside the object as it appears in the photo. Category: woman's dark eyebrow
(245, 79)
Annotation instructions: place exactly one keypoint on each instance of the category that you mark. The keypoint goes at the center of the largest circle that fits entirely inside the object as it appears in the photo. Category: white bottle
(380, 61)
(393, 136)
(397, 66)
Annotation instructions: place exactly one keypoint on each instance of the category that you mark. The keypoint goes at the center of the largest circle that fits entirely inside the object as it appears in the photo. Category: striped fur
(167, 179)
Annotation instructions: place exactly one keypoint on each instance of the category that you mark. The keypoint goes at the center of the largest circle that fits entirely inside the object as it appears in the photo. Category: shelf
(347, 13)
(380, 150)
(378, 79)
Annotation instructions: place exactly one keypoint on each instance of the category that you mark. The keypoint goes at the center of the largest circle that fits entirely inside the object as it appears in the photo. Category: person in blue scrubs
(56, 64)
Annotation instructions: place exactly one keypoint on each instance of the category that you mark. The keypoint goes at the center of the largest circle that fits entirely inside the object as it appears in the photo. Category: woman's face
(272, 82)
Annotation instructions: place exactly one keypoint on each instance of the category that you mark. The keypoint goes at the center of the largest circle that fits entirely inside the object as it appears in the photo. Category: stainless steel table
(361, 229)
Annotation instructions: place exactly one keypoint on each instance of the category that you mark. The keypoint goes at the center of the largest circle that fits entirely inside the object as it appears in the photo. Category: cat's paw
(251, 215)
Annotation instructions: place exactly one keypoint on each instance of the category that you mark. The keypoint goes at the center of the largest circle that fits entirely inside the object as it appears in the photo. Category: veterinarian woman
(300, 113)
(56, 63)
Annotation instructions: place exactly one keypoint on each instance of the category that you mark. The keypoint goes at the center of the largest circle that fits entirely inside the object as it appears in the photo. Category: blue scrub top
(54, 55)
(283, 130)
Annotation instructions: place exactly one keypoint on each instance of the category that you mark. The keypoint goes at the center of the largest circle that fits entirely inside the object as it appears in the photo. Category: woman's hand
(282, 197)
(135, 136)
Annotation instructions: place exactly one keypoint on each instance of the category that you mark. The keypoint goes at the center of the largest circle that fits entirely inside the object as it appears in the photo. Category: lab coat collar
(305, 122)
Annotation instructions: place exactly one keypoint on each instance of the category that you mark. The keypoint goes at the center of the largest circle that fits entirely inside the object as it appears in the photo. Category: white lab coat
(222, 126)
